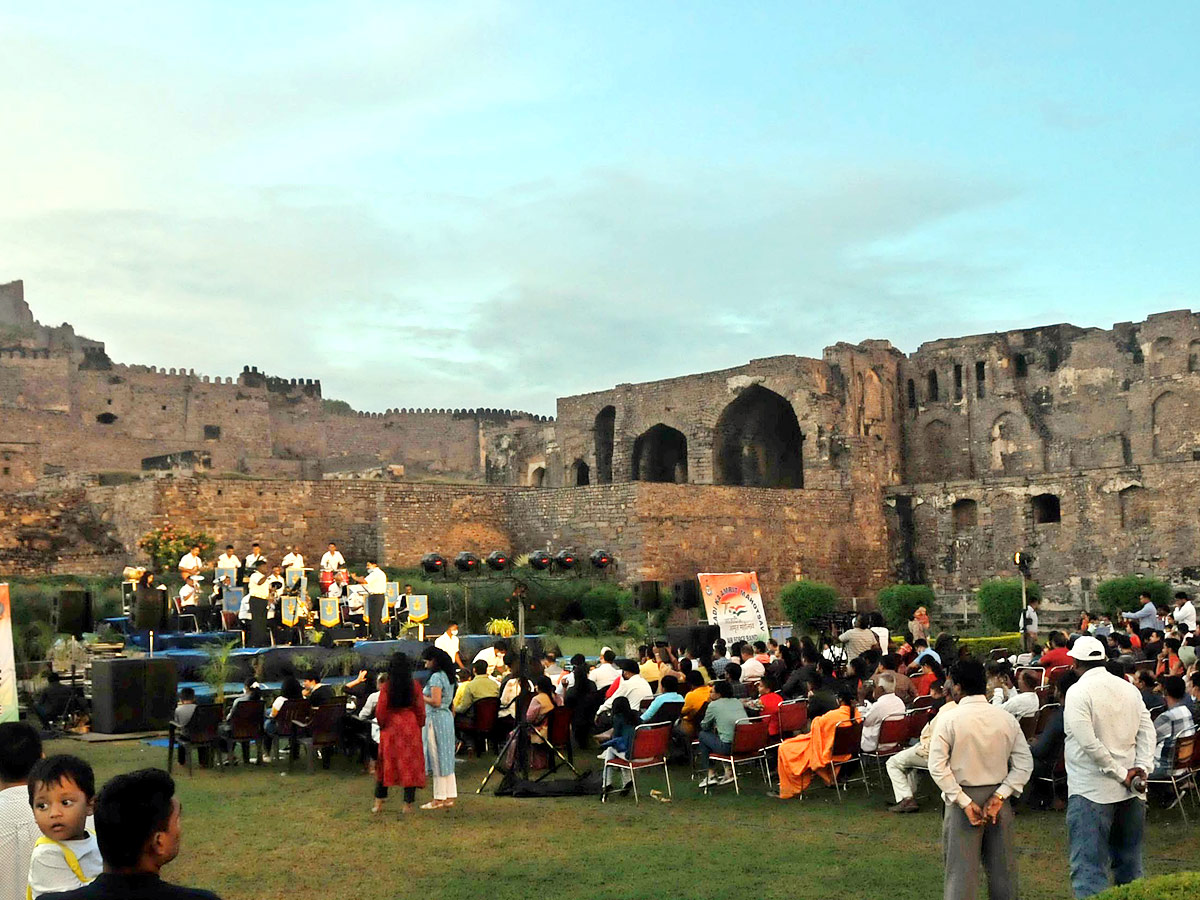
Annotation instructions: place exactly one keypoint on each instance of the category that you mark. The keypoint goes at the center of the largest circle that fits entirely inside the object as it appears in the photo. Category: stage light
(601, 559)
(466, 562)
(540, 560)
(498, 561)
(565, 559)
(433, 563)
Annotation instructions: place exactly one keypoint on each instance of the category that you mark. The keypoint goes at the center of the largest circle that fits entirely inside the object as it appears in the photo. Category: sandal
(432, 804)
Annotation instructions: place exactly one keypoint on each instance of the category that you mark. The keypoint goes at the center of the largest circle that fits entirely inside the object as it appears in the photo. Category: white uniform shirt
(887, 705)
(292, 561)
(448, 644)
(1020, 705)
(258, 588)
(376, 581)
(1031, 622)
(252, 560)
(1109, 732)
(228, 561)
(18, 833)
(48, 869)
(604, 675)
(491, 657)
(187, 595)
(1185, 615)
(189, 561)
(332, 561)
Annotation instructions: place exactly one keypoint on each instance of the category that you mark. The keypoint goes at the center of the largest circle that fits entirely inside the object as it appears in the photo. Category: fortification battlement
(506, 415)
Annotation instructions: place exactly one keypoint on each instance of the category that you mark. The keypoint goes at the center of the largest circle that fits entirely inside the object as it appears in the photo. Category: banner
(231, 599)
(289, 610)
(418, 607)
(733, 602)
(221, 574)
(391, 595)
(329, 613)
(8, 661)
(295, 574)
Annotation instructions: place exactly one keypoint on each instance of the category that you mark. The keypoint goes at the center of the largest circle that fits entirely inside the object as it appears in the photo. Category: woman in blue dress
(438, 733)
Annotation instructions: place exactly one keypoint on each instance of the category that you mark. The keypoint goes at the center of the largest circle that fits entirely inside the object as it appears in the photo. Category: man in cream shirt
(229, 559)
(332, 559)
(376, 584)
(293, 560)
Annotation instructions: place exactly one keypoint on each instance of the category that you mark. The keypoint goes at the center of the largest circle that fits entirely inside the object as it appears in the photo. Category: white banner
(8, 661)
(733, 603)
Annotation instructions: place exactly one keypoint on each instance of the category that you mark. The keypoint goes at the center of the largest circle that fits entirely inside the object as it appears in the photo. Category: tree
(898, 602)
(1000, 601)
(805, 600)
(1118, 595)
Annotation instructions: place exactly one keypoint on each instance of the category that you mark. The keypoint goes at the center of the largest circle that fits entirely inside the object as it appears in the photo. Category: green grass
(256, 833)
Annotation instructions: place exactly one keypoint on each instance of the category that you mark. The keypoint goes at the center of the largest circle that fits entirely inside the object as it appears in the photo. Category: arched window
(1020, 365)
(931, 392)
(758, 443)
(603, 431)
(537, 478)
(1046, 510)
(660, 454)
(581, 473)
(912, 394)
(964, 514)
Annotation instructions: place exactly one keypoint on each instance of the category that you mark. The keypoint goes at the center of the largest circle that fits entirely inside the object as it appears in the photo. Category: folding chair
(1056, 673)
(558, 738)
(286, 727)
(1028, 726)
(202, 733)
(893, 737)
(923, 702)
(793, 719)
(999, 653)
(245, 724)
(1057, 776)
(1044, 715)
(1045, 693)
(668, 712)
(1039, 671)
(917, 720)
(750, 738)
(482, 727)
(645, 704)
(648, 750)
(180, 615)
(321, 731)
(847, 749)
(1179, 775)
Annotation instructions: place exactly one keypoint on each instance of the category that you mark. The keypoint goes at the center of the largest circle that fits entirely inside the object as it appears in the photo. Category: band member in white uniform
(190, 563)
(332, 559)
(376, 584)
(229, 559)
(253, 558)
(293, 560)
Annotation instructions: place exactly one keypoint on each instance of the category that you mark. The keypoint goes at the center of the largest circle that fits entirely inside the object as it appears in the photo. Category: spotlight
(540, 560)
(497, 561)
(601, 559)
(1024, 560)
(466, 562)
(433, 563)
(565, 559)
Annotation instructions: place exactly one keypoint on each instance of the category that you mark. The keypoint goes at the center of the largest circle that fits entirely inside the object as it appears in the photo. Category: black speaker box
(336, 633)
(687, 593)
(697, 638)
(647, 595)
(73, 612)
(132, 695)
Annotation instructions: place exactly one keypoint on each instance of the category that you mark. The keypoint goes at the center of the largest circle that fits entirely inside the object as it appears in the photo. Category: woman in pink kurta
(401, 715)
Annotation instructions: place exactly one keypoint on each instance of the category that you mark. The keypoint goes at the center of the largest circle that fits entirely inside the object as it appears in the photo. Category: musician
(376, 584)
(190, 563)
(332, 560)
(254, 604)
(229, 559)
(252, 560)
(355, 605)
(293, 560)
(275, 586)
(217, 599)
(189, 596)
(150, 604)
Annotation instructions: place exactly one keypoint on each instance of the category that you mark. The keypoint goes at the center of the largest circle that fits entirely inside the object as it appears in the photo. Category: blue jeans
(710, 742)
(1102, 834)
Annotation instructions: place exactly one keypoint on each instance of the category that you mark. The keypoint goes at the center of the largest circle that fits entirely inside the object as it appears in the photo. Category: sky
(488, 204)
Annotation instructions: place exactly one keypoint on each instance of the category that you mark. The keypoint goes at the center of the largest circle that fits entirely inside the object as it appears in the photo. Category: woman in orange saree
(802, 756)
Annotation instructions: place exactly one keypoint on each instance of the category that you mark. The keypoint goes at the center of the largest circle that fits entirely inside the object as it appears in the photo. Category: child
(62, 792)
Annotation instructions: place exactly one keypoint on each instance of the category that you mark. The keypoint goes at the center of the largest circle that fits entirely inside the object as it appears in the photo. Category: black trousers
(375, 614)
(258, 635)
(381, 791)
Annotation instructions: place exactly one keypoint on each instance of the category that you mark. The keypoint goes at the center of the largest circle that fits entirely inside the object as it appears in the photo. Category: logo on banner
(289, 611)
(734, 604)
(330, 615)
(418, 607)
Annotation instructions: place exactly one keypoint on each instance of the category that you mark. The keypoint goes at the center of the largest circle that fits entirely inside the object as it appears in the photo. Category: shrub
(1180, 886)
(981, 647)
(166, 545)
(1000, 601)
(804, 600)
(898, 602)
(1118, 595)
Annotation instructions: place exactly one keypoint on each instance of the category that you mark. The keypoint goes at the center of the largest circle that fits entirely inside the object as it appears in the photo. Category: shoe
(708, 781)
(907, 805)
(627, 790)
(728, 779)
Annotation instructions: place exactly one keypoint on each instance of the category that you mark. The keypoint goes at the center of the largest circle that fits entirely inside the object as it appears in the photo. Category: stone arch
(1169, 418)
(603, 431)
(660, 454)
(912, 394)
(537, 476)
(1135, 507)
(1046, 509)
(964, 514)
(581, 473)
(758, 443)
(931, 386)
(874, 405)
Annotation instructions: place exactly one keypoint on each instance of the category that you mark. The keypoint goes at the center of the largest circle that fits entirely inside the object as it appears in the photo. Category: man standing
(229, 559)
(448, 642)
(979, 758)
(253, 612)
(252, 560)
(1185, 612)
(1029, 621)
(859, 639)
(1147, 616)
(376, 583)
(294, 559)
(1109, 750)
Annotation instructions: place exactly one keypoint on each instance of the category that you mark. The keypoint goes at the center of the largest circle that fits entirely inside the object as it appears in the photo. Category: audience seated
(887, 704)
(902, 768)
(1172, 722)
(20, 749)
(1024, 702)
(668, 694)
(890, 663)
(807, 754)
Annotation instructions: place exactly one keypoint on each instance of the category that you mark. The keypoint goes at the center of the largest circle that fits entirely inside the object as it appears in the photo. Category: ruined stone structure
(863, 467)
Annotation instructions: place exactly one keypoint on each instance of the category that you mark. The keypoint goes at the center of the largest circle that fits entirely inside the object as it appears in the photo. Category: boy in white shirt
(62, 792)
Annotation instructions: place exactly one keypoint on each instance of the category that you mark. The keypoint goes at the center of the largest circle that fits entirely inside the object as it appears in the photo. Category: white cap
(197, 578)
(1088, 649)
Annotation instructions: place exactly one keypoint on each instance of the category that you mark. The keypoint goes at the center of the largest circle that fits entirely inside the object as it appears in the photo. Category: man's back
(18, 832)
(1105, 721)
(109, 886)
(858, 641)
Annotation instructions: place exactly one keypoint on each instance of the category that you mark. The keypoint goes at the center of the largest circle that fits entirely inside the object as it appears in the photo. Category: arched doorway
(581, 473)
(660, 454)
(758, 443)
(537, 478)
(603, 430)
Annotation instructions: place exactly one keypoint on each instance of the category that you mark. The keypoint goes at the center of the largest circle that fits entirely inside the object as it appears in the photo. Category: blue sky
(494, 204)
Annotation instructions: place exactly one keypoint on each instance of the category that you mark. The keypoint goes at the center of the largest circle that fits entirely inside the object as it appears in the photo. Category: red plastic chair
(1180, 775)
(651, 743)
(482, 726)
(1056, 673)
(1045, 714)
(893, 737)
(1039, 671)
(847, 750)
(750, 739)
(923, 702)
(558, 737)
(917, 720)
(793, 718)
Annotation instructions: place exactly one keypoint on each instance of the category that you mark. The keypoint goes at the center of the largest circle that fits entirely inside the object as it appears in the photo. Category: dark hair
(608, 656)
(400, 682)
(1145, 594)
(501, 645)
(1181, 595)
(543, 685)
(622, 711)
(733, 672)
(669, 684)
(847, 695)
(890, 661)
(130, 810)
(442, 662)
(760, 647)
(290, 688)
(694, 679)
(1174, 687)
(59, 768)
(20, 749)
(187, 693)
(769, 682)
(581, 686)
(970, 676)
(1065, 682)
(1146, 678)
(722, 688)
(480, 666)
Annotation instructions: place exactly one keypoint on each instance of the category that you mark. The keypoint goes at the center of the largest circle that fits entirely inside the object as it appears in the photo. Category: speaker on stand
(72, 612)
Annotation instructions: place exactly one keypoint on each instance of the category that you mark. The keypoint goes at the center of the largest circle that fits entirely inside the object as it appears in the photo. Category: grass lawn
(256, 833)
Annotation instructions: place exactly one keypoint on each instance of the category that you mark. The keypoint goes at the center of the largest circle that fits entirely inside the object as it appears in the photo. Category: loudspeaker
(73, 612)
(647, 595)
(132, 694)
(697, 638)
(687, 593)
(336, 633)
(150, 610)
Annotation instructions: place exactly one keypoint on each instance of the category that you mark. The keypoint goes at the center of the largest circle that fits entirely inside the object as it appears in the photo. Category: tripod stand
(521, 738)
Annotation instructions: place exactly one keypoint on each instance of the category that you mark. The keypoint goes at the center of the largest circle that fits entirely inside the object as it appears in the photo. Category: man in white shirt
(1025, 702)
(253, 612)
(1109, 750)
(1029, 622)
(293, 560)
(252, 560)
(447, 642)
(376, 584)
(20, 749)
(494, 656)
(606, 672)
(332, 559)
(229, 559)
(888, 704)
(1185, 612)
(633, 687)
(752, 669)
(190, 563)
